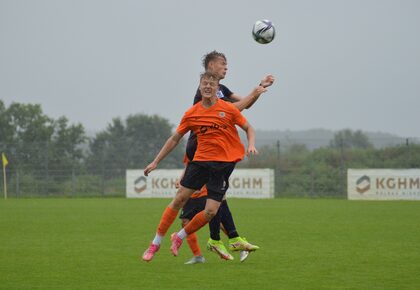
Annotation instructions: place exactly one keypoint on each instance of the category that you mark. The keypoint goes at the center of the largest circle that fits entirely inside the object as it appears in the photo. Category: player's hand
(259, 90)
(177, 184)
(149, 168)
(267, 81)
(251, 151)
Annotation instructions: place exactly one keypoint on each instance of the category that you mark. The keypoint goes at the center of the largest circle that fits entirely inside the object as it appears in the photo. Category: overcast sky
(338, 64)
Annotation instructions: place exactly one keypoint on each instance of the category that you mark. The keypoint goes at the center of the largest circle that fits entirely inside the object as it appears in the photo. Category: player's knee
(210, 213)
(180, 199)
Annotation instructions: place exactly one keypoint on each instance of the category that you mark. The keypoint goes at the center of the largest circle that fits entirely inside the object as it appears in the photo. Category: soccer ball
(263, 31)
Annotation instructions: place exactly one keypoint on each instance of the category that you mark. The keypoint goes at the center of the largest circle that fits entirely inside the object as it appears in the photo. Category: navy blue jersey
(223, 93)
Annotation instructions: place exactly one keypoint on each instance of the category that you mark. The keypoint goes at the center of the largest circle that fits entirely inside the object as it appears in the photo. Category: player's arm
(250, 135)
(170, 144)
(248, 101)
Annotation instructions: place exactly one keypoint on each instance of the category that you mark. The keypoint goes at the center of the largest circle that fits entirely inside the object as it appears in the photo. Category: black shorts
(193, 207)
(214, 174)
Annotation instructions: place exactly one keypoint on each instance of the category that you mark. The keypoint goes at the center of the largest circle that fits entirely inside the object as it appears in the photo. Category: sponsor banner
(383, 184)
(244, 183)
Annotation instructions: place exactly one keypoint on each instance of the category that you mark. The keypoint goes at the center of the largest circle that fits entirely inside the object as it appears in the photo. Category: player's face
(208, 87)
(219, 67)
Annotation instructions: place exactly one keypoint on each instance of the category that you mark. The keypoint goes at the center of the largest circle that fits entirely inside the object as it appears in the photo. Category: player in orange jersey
(216, 62)
(219, 148)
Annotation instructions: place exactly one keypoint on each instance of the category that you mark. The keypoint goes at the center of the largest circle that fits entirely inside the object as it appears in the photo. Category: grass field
(305, 244)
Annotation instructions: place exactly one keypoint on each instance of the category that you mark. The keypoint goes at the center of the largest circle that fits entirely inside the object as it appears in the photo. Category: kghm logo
(140, 184)
(363, 184)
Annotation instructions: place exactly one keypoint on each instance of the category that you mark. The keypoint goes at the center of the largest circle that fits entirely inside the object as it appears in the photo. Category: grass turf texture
(96, 244)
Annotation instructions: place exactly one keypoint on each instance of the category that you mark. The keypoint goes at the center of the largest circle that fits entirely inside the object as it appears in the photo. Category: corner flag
(4, 159)
(5, 162)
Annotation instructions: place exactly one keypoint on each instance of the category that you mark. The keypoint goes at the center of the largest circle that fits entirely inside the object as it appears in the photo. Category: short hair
(209, 75)
(212, 56)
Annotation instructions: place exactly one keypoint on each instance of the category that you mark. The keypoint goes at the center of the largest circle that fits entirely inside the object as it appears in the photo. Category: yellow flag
(4, 159)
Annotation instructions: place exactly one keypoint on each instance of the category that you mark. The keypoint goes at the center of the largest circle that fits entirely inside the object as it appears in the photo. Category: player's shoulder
(193, 108)
(228, 105)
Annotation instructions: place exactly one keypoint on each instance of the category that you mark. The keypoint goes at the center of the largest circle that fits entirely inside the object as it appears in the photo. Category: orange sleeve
(183, 125)
(239, 119)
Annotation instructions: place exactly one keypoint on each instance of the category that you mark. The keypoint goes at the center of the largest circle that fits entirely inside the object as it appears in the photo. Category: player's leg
(192, 241)
(214, 243)
(190, 209)
(166, 220)
(243, 255)
(195, 176)
(218, 183)
(236, 243)
(200, 220)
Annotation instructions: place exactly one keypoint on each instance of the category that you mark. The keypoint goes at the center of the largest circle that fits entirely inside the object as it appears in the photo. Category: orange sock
(166, 220)
(193, 243)
(196, 223)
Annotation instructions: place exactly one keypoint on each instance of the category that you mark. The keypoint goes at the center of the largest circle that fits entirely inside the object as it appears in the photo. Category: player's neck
(208, 102)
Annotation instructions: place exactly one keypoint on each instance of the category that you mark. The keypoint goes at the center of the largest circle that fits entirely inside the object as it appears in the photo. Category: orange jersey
(217, 137)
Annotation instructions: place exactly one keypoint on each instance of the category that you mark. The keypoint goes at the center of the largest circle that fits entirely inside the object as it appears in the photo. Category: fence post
(17, 183)
(312, 183)
(277, 175)
(103, 173)
(73, 180)
(407, 143)
(342, 166)
(47, 174)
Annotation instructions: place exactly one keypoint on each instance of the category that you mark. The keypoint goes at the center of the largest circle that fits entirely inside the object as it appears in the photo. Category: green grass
(305, 244)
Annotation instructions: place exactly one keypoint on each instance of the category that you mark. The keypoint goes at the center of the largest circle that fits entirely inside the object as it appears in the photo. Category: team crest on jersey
(222, 114)
(220, 94)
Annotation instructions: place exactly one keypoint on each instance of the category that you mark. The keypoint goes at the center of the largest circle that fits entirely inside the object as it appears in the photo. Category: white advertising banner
(383, 184)
(243, 183)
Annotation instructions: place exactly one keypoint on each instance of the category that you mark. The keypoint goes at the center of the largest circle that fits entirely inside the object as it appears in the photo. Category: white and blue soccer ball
(263, 31)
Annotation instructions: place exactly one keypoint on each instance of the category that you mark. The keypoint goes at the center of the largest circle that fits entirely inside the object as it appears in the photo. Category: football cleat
(196, 260)
(176, 244)
(241, 244)
(150, 252)
(219, 248)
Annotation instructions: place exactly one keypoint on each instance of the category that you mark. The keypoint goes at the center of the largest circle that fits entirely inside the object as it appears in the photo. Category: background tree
(348, 139)
(132, 143)
(38, 145)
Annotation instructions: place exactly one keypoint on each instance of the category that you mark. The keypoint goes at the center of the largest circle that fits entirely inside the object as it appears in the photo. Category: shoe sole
(192, 263)
(221, 255)
(243, 256)
(233, 249)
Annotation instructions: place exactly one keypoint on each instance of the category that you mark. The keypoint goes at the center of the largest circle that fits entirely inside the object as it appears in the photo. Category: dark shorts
(193, 207)
(214, 174)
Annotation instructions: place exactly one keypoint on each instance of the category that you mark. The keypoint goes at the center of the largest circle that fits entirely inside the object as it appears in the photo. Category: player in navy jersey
(216, 62)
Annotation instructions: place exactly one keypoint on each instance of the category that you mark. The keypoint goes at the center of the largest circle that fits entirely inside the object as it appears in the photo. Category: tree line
(52, 155)
(43, 149)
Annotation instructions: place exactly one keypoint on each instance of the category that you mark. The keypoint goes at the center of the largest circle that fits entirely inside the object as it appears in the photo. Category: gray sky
(338, 64)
